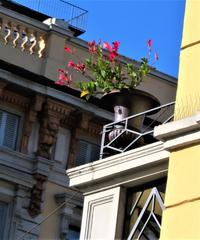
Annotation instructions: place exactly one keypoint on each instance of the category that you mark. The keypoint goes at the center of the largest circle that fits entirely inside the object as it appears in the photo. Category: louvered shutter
(82, 153)
(87, 152)
(95, 151)
(10, 134)
(8, 129)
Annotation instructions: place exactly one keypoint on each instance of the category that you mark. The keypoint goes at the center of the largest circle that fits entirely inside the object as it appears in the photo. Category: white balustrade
(22, 38)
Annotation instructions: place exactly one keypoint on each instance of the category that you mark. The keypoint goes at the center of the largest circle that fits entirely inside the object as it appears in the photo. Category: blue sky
(133, 22)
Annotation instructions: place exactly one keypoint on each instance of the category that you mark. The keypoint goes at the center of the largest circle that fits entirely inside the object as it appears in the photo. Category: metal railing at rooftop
(75, 16)
(125, 137)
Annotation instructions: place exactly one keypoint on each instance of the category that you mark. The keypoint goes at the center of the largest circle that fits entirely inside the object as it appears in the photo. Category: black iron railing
(60, 9)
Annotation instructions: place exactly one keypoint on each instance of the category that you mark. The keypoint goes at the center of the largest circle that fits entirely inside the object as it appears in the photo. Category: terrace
(74, 16)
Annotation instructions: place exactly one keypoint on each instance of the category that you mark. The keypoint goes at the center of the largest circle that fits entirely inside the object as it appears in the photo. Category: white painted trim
(179, 133)
(94, 201)
(144, 160)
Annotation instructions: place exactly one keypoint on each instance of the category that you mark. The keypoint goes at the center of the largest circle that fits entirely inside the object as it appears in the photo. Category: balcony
(74, 16)
(126, 187)
(126, 137)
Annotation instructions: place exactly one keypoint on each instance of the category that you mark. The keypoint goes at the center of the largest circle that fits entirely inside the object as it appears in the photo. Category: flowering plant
(104, 72)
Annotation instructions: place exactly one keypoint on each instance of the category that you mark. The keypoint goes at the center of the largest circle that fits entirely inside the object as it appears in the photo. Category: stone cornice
(16, 99)
(180, 133)
(58, 108)
(53, 93)
(121, 169)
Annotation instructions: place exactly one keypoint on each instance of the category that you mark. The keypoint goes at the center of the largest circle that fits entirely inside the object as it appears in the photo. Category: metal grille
(144, 214)
(60, 9)
(128, 138)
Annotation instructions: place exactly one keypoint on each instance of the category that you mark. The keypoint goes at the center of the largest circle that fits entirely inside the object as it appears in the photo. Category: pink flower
(80, 67)
(156, 56)
(64, 78)
(106, 45)
(112, 56)
(116, 45)
(92, 47)
(68, 49)
(149, 44)
(71, 64)
(112, 50)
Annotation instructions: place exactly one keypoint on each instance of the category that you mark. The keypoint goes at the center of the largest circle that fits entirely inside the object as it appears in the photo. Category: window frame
(88, 152)
(20, 126)
(7, 196)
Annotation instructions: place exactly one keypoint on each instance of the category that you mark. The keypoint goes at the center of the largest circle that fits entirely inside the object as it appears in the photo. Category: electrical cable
(55, 210)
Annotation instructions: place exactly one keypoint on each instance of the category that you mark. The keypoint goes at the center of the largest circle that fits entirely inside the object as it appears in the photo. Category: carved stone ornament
(36, 195)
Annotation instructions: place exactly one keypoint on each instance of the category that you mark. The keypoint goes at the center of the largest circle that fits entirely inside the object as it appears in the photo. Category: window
(62, 146)
(74, 233)
(8, 129)
(34, 138)
(87, 152)
(3, 218)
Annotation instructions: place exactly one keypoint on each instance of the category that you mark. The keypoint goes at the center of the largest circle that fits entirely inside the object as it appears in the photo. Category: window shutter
(81, 157)
(95, 151)
(10, 134)
(34, 138)
(8, 129)
(87, 152)
(62, 146)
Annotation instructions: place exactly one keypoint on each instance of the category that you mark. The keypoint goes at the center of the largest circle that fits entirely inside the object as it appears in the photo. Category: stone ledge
(114, 170)
(179, 133)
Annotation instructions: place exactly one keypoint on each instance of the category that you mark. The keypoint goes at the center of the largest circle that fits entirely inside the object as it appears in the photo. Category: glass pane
(74, 233)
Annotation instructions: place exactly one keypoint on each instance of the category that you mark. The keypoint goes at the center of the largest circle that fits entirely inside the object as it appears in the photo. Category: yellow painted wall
(49, 229)
(182, 221)
(188, 92)
(181, 218)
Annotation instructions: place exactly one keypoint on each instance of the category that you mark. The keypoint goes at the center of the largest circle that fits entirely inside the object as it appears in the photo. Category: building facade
(107, 184)
(46, 129)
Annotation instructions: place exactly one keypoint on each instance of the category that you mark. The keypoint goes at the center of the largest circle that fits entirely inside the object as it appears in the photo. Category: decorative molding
(125, 168)
(15, 99)
(31, 116)
(180, 133)
(42, 166)
(63, 197)
(52, 113)
(3, 84)
(101, 215)
(17, 176)
(88, 123)
(67, 99)
(57, 108)
(72, 150)
(67, 213)
(36, 195)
